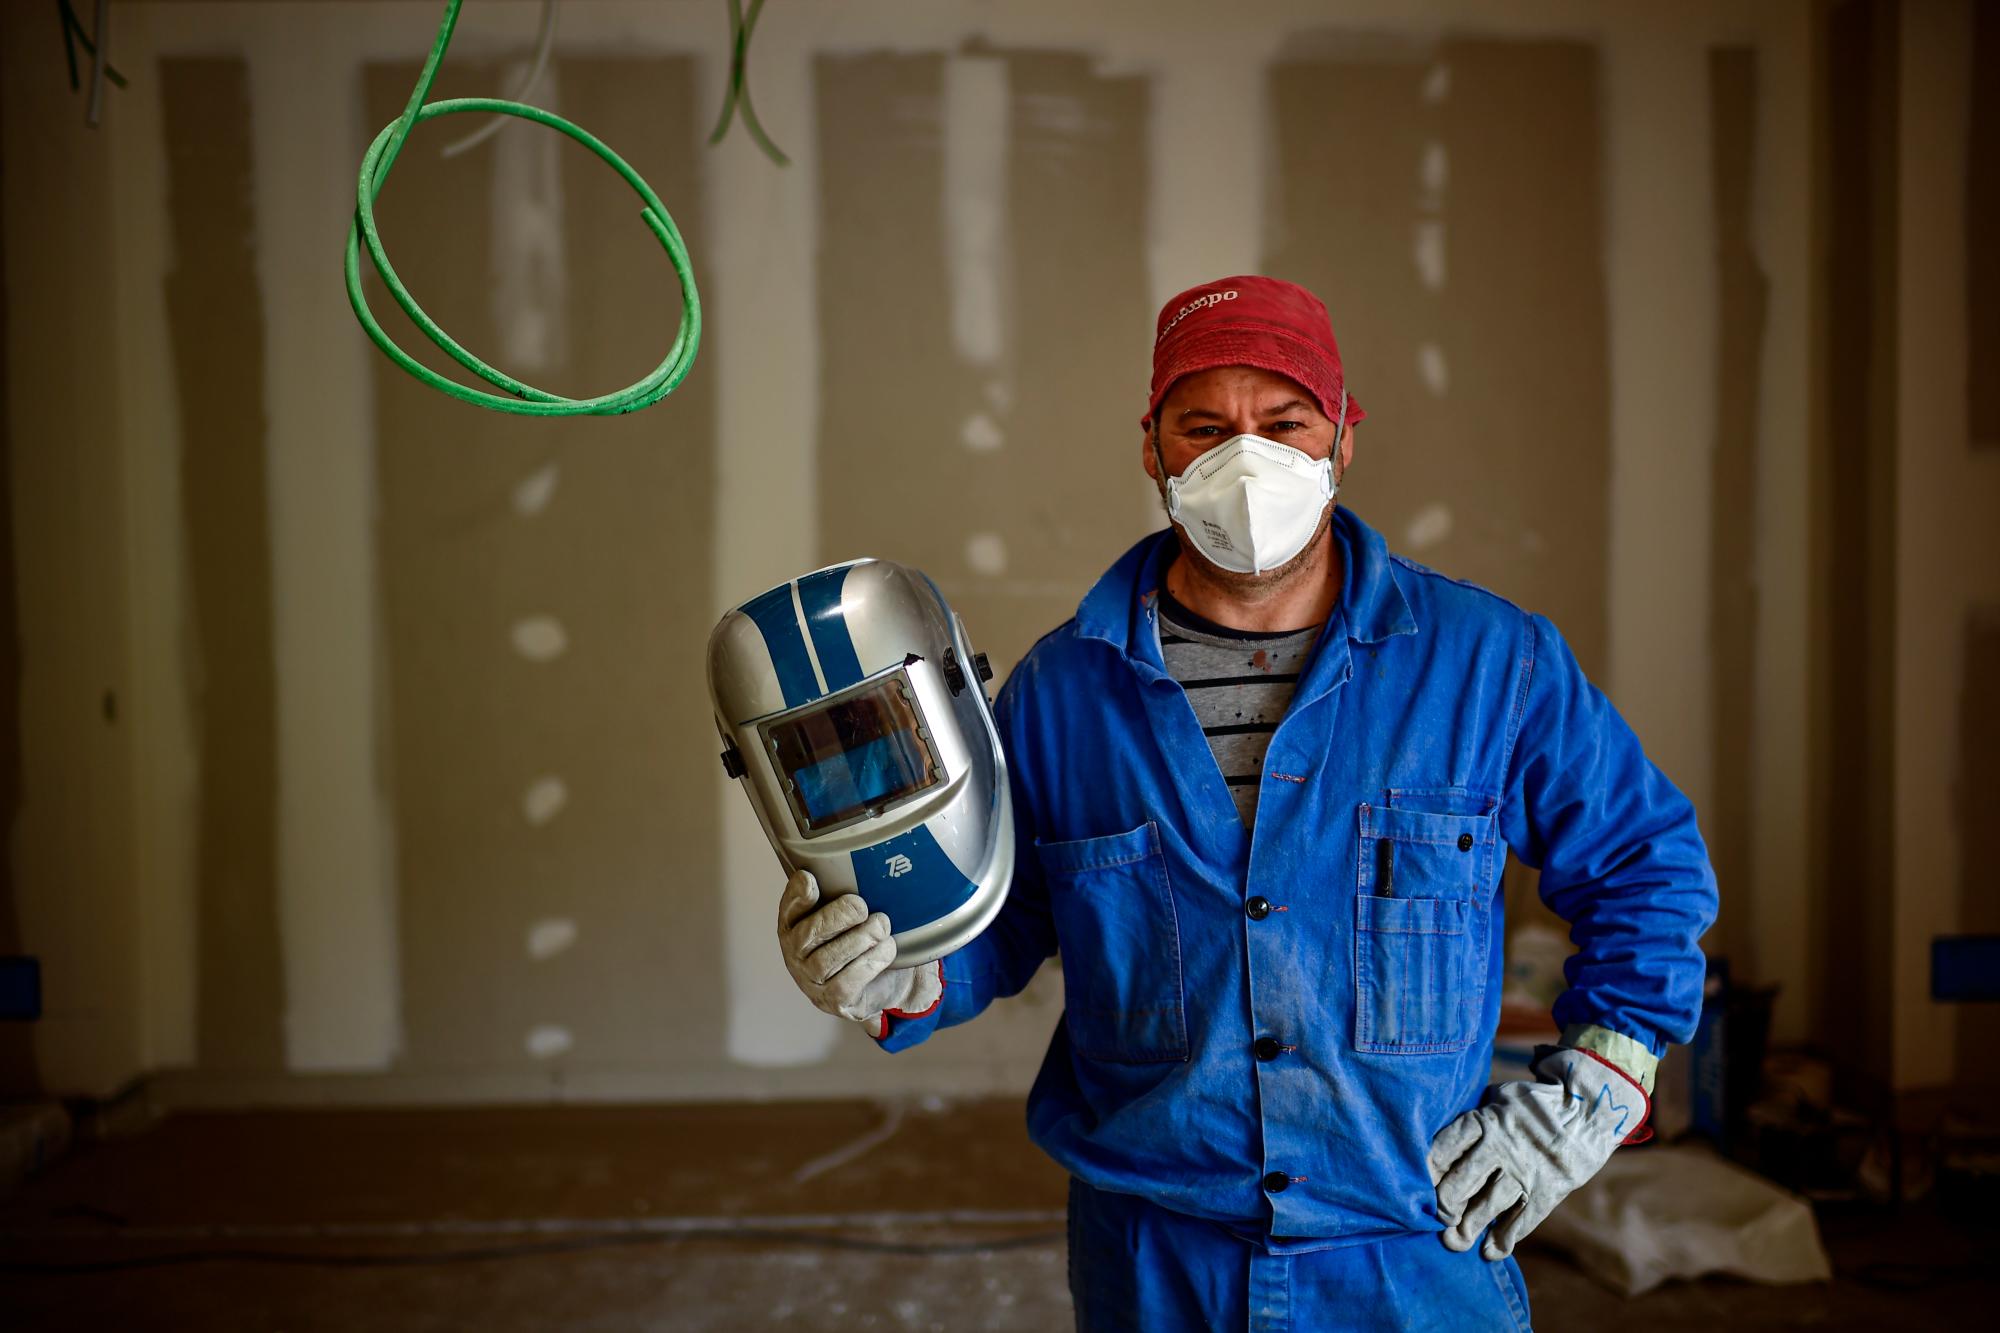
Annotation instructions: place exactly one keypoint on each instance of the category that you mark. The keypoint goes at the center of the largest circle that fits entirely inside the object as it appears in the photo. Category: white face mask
(1250, 504)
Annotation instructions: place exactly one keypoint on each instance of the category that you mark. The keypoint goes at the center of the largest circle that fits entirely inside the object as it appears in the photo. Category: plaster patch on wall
(550, 936)
(1058, 113)
(530, 288)
(986, 553)
(340, 873)
(534, 491)
(1427, 253)
(975, 204)
(540, 638)
(544, 799)
(545, 1041)
(982, 433)
(1435, 173)
(1432, 369)
(1428, 527)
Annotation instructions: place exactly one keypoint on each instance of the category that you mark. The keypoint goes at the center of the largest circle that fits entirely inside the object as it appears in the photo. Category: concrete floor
(830, 1216)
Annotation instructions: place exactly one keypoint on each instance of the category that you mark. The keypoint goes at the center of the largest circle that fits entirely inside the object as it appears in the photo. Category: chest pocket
(1420, 935)
(1120, 944)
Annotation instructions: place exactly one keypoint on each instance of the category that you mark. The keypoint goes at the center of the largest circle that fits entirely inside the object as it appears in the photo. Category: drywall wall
(18, 1074)
(1904, 509)
(1458, 242)
(542, 585)
(1982, 222)
(72, 837)
(1977, 788)
(493, 855)
(1741, 309)
(1854, 539)
(971, 416)
(217, 348)
(1947, 558)
(336, 839)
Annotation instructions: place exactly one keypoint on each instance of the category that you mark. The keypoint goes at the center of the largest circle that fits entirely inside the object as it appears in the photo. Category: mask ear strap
(1340, 430)
(1160, 461)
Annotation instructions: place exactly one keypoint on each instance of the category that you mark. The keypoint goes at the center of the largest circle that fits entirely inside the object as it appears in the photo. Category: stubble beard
(1253, 589)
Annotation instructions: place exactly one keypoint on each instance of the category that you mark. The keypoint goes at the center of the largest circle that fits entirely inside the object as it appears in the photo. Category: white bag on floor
(1660, 1213)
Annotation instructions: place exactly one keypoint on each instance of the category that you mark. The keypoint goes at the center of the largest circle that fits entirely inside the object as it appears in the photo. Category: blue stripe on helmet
(943, 605)
(819, 596)
(910, 878)
(779, 622)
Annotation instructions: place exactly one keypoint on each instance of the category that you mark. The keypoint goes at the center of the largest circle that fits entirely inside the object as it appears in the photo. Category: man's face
(1206, 408)
(1202, 410)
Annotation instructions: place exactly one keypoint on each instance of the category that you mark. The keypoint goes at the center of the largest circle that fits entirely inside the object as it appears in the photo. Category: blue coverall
(1260, 1035)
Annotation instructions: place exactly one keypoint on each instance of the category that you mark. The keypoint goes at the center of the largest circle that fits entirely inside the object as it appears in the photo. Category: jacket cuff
(1640, 1132)
(1625, 1054)
(878, 1027)
(926, 989)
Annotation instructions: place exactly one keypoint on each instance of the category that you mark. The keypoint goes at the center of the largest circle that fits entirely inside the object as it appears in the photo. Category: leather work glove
(1512, 1159)
(840, 955)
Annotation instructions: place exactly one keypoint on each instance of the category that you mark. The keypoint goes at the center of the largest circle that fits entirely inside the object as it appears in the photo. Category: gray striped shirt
(1240, 684)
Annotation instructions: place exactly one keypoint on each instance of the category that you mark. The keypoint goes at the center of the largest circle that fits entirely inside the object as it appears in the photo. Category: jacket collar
(1122, 607)
(1372, 599)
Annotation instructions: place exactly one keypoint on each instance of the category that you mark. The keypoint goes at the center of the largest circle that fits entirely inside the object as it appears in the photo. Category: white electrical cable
(892, 1120)
(543, 46)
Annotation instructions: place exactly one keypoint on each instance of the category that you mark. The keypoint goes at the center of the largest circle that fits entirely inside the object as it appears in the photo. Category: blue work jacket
(1266, 1027)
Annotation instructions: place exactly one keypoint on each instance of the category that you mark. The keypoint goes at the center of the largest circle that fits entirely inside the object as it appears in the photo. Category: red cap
(1250, 321)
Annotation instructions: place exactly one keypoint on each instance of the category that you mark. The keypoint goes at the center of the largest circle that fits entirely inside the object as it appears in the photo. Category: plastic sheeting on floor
(1654, 1214)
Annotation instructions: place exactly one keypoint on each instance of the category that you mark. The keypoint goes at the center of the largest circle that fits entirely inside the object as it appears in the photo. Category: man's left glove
(1511, 1160)
(842, 957)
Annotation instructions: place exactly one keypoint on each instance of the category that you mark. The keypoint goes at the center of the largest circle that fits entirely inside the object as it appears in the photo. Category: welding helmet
(853, 710)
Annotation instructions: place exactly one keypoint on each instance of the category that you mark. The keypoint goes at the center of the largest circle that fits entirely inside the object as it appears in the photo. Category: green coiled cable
(525, 399)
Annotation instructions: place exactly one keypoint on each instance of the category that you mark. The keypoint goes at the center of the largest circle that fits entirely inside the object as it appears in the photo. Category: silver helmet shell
(853, 709)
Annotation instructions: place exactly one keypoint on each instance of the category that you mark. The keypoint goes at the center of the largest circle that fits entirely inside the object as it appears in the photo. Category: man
(1264, 782)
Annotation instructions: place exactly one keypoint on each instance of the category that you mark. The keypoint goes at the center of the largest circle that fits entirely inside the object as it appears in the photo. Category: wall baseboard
(177, 1090)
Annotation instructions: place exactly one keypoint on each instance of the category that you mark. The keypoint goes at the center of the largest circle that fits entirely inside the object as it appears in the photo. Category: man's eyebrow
(1293, 405)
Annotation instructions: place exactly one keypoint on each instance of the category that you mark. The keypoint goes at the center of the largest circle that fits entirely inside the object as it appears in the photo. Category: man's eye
(1204, 432)
(1288, 425)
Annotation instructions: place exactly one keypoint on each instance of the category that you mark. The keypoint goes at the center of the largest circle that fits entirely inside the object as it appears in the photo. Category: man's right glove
(840, 955)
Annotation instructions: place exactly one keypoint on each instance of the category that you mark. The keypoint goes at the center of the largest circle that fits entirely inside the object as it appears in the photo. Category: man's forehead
(1267, 390)
(1293, 404)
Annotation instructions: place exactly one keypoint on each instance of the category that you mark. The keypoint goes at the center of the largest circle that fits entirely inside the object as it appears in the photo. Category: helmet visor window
(854, 755)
